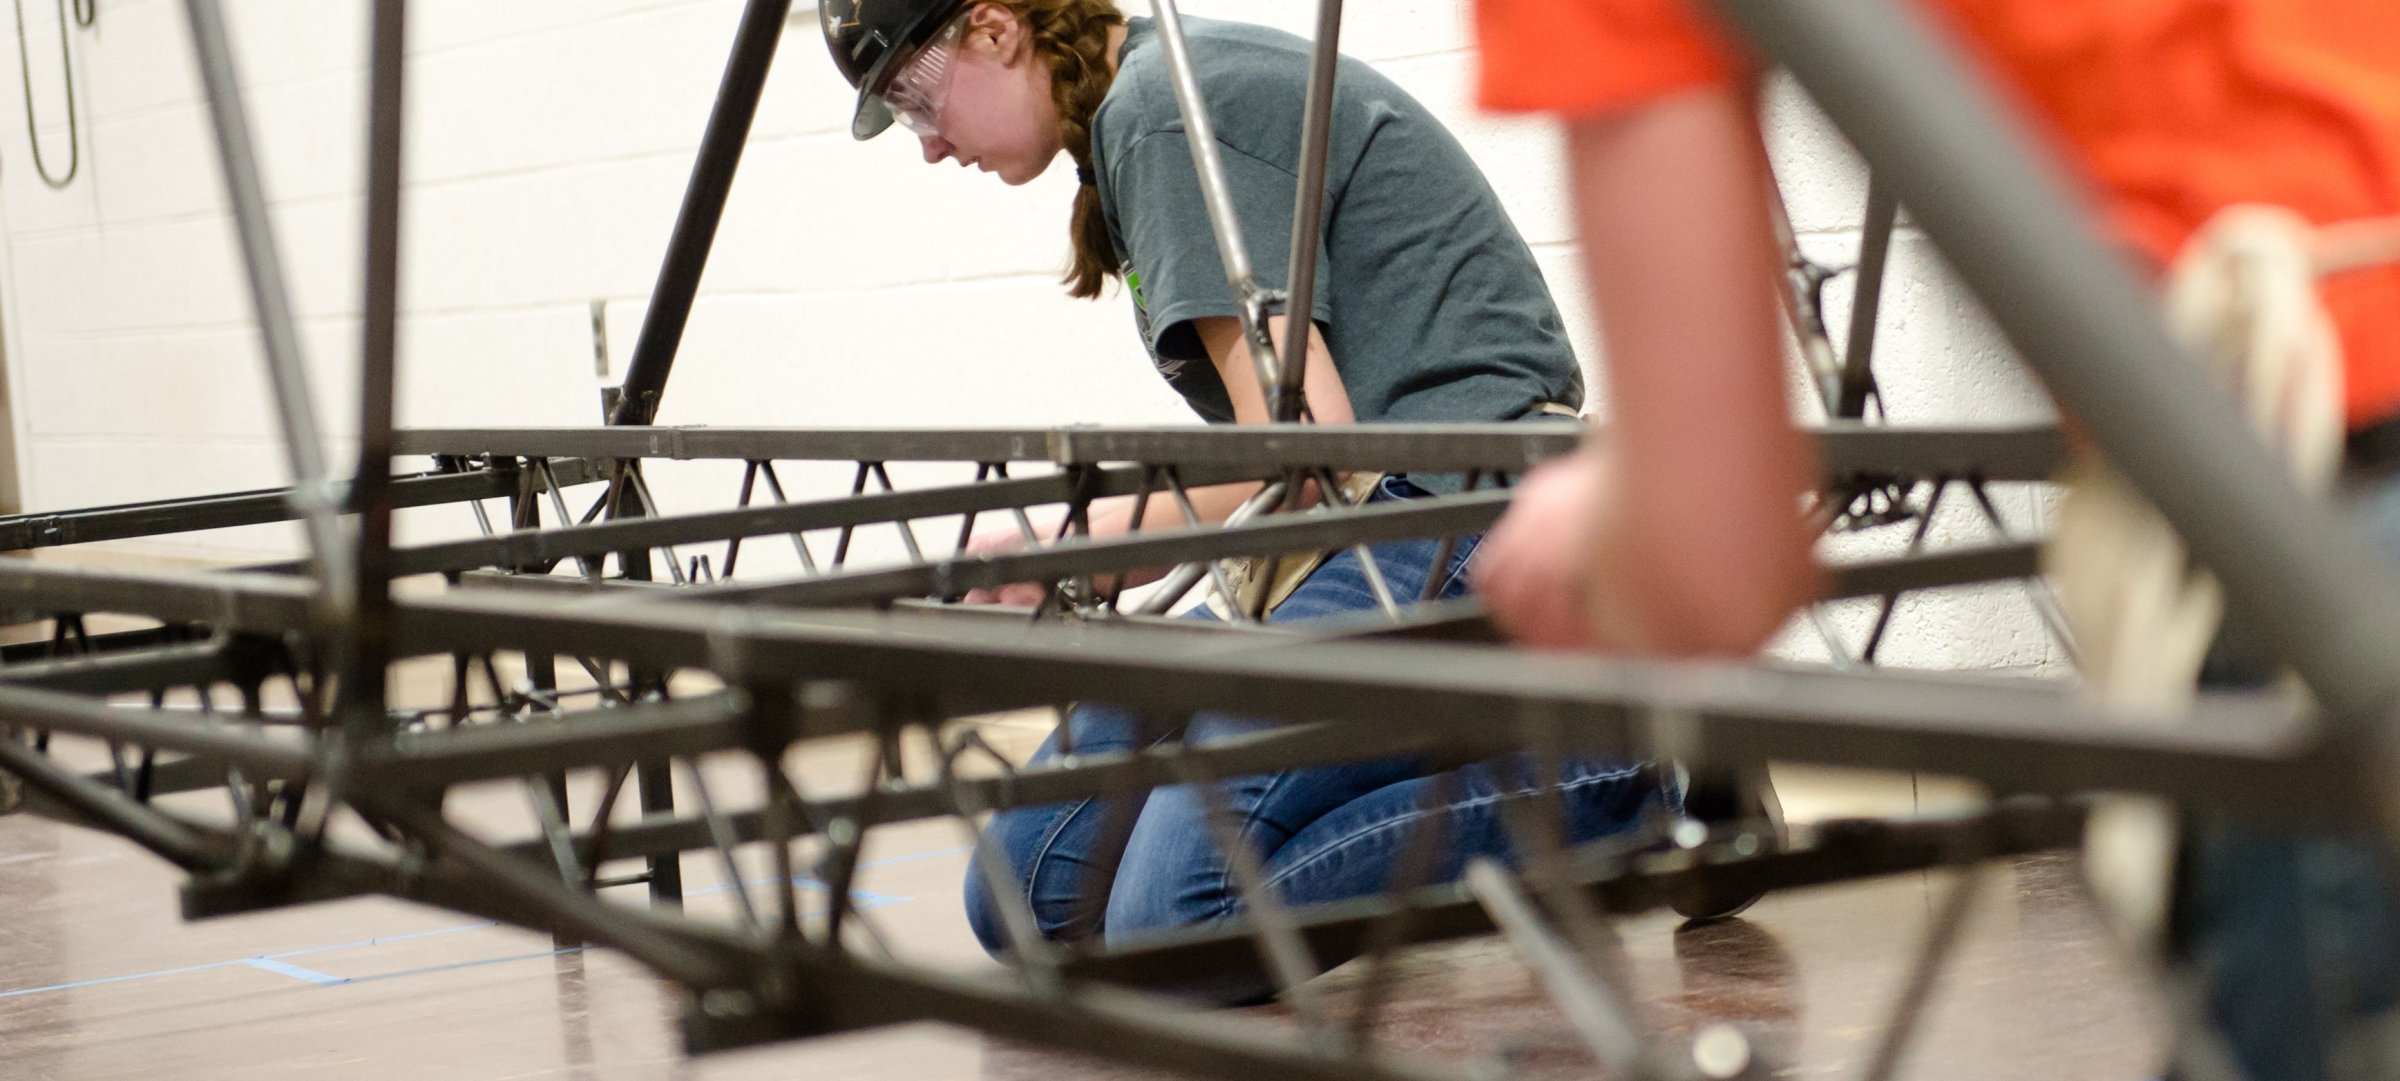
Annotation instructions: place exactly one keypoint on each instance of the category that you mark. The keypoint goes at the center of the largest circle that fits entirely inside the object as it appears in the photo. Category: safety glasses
(917, 92)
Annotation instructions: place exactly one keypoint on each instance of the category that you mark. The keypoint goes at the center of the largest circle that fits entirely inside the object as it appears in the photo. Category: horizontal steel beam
(262, 506)
(124, 671)
(1470, 512)
(548, 584)
(2028, 737)
(539, 743)
(137, 639)
(1461, 621)
(265, 603)
(2019, 453)
(249, 746)
(1839, 851)
(168, 838)
(2014, 738)
(532, 547)
(581, 741)
(1458, 621)
(1933, 570)
(1059, 781)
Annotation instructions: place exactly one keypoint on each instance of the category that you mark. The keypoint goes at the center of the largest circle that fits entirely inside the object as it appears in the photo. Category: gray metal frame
(737, 674)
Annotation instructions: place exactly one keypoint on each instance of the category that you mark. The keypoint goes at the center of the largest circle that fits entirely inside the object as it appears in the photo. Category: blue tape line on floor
(463, 964)
(116, 979)
(306, 975)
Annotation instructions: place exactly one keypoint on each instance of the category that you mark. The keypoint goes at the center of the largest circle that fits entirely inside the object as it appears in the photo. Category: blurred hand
(1001, 541)
(1533, 570)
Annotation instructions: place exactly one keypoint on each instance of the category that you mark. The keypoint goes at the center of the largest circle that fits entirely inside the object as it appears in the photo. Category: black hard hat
(868, 37)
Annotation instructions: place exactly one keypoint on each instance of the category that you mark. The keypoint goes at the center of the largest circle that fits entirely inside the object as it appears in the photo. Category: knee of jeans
(1171, 883)
(983, 916)
(1015, 836)
(1139, 906)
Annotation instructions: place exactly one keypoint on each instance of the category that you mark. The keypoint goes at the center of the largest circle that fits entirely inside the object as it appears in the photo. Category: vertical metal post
(1866, 301)
(1802, 299)
(1216, 194)
(287, 370)
(370, 645)
(2304, 579)
(1284, 402)
(703, 206)
(654, 789)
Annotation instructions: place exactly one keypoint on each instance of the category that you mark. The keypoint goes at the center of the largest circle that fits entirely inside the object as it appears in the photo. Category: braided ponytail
(1072, 35)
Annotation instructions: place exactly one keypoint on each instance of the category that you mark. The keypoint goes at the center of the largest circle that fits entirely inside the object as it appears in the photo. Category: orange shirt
(2171, 109)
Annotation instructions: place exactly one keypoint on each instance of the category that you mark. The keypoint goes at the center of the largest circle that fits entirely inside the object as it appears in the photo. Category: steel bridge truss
(239, 723)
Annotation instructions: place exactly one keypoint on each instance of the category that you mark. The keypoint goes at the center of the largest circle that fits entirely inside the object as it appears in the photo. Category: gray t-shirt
(1429, 300)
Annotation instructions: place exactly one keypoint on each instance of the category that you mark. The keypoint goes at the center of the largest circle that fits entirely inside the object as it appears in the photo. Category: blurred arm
(1680, 532)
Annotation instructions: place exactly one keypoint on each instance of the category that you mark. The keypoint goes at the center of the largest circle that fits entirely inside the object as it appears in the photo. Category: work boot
(1720, 801)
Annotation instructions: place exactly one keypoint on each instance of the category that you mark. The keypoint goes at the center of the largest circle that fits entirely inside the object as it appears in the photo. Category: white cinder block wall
(548, 142)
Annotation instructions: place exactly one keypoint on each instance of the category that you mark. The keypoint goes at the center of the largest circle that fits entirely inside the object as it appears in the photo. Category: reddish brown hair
(1072, 37)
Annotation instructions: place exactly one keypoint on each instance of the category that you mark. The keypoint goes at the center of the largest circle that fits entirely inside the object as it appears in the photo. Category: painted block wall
(548, 142)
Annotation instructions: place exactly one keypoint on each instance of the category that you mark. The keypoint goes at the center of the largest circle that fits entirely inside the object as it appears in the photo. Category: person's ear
(999, 30)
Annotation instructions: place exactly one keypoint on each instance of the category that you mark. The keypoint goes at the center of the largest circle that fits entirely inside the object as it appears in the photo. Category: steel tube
(1866, 300)
(1215, 192)
(1595, 1010)
(531, 547)
(252, 602)
(368, 648)
(24, 654)
(1106, 774)
(549, 904)
(1148, 549)
(656, 730)
(1965, 566)
(2015, 736)
(287, 366)
(2010, 453)
(120, 672)
(1308, 216)
(248, 746)
(1803, 287)
(163, 836)
(1180, 581)
(85, 525)
(1855, 850)
(703, 207)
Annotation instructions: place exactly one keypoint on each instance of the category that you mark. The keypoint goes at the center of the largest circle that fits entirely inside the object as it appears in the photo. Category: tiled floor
(99, 979)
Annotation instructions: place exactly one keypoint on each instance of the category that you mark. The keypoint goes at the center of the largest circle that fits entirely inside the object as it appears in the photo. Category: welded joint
(1060, 443)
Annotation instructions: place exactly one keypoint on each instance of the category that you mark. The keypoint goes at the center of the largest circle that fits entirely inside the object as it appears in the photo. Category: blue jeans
(2295, 932)
(1095, 868)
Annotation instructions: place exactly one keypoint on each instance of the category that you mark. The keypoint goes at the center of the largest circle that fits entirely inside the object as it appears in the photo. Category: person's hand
(1533, 570)
(1001, 541)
